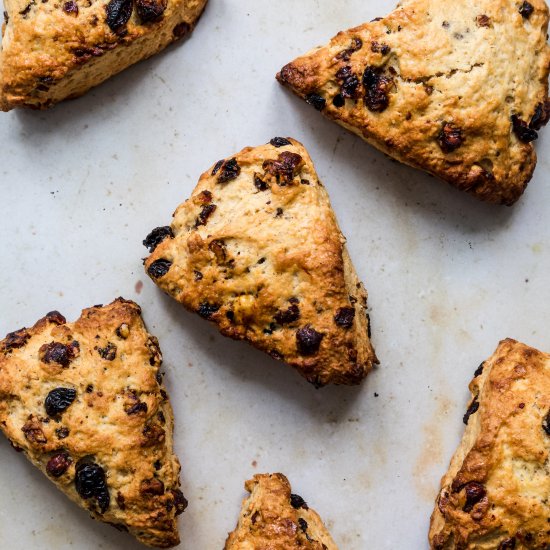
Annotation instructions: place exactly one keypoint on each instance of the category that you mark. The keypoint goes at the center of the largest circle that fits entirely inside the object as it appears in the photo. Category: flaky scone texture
(495, 494)
(257, 250)
(458, 89)
(85, 403)
(54, 50)
(273, 518)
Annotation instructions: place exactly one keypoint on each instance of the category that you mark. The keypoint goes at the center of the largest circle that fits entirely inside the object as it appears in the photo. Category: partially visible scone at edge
(57, 50)
(495, 494)
(257, 250)
(458, 89)
(271, 517)
(85, 403)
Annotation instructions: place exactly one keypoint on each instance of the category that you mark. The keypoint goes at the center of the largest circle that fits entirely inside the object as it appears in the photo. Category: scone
(273, 518)
(257, 250)
(458, 89)
(495, 494)
(57, 50)
(85, 402)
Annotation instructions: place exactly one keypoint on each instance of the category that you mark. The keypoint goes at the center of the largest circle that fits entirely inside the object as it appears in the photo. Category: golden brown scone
(85, 402)
(274, 519)
(495, 494)
(57, 50)
(257, 250)
(458, 89)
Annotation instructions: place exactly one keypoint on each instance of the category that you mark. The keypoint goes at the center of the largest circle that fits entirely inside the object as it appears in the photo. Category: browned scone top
(85, 402)
(257, 250)
(273, 518)
(458, 89)
(56, 50)
(495, 494)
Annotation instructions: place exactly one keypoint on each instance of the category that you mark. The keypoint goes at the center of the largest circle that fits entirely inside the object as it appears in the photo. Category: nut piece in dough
(458, 89)
(257, 250)
(86, 404)
(271, 517)
(495, 493)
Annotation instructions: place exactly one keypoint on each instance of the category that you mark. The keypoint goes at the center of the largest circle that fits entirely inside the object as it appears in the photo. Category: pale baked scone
(257, 250)
(273, 518)
(458, 89)
(86, 404)
(495, 494)
(54, 50)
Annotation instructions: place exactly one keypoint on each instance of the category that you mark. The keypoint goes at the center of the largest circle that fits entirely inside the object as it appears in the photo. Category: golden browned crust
(271, 518)
(495, 494)
(257, 250)
(57, 50)
(118, 419)
(435, 85)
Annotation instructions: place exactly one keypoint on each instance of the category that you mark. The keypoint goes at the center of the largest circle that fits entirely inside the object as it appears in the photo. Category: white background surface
(448, 277)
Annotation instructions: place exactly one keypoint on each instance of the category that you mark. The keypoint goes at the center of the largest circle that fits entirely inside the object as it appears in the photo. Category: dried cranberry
(152, 486)
(33, 431)
(449, 138)
(56, 352)
(197, 275)
(118, 13)
(297, 501)
(284, 316)
(474, 406)
(507, 544)
(483, 20)
(59, 400)
(316, 101)
(90, 482)
(137, 408)
(230, 170)
(56, 317)
(344, 317)
(479, 370)
(356, 44)
(58, 464)
(526, 10)
(474, 493)
(349, 82)
(159, 268)
(62, 433)
(108, 352)
(546, 423)
(541, 115)
(71, 8)
(217, 167)
(279, 142)
(157, 236)
(522, 130)
(150, 10)
(284, 169)
(16, 339)
(377, 88)
(206, 310)
(380, 47)
(303, 524)
(181, 29)
(205, 213)
(338, 100)
(180, 502)
(308, 340)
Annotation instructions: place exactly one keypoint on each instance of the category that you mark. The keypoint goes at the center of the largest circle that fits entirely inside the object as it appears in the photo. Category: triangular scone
(458, 89)
(495, 494)
(257, 250)
(272, 517)
(57, 50)
(85, 402)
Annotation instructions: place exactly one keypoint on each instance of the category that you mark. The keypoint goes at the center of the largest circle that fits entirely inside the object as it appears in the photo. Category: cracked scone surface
(272, 517)
(257, 250)
(495, 494)
(85, 403)
(57, 50)
(457, 89)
